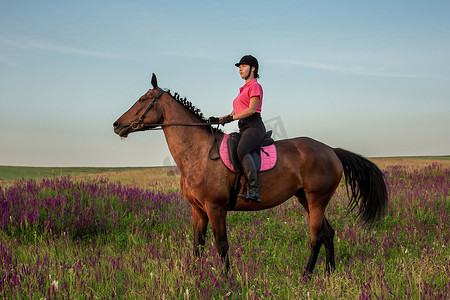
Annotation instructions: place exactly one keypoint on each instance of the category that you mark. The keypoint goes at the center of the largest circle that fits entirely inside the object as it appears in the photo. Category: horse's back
(302, 163)
(318, 164)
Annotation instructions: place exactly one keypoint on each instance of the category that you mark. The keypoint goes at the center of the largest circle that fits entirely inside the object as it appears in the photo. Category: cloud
(4, 59)
(191, 53)
(355, 70)
(30, 44)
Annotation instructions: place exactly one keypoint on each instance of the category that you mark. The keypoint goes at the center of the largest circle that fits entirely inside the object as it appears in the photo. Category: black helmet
(248, 60)
(251, 61)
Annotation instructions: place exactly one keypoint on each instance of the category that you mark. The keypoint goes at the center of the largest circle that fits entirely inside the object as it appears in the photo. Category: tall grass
(93, 238)
(14, 172)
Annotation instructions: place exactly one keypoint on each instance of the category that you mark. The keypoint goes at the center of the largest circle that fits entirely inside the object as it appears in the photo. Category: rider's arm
(230, 114)
(254, 101)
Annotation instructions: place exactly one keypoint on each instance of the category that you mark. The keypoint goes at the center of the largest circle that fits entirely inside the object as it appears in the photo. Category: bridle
(138, 124)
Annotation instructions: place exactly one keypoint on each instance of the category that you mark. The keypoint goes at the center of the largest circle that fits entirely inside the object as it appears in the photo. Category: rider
(247, 109)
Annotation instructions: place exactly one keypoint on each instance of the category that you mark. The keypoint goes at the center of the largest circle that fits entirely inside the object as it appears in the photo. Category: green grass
(149, 253)
(14, 172)
(443, 157)
(17, 172)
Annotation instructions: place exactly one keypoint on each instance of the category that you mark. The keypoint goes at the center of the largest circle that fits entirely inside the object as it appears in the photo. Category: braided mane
(188, 105)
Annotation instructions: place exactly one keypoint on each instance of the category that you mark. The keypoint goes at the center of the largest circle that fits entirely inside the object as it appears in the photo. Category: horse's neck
(187, 144)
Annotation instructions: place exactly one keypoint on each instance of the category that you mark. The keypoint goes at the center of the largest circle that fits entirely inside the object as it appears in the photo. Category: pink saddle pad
(267, 162)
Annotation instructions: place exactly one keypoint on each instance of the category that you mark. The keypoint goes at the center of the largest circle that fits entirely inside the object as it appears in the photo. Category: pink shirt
(249, 90)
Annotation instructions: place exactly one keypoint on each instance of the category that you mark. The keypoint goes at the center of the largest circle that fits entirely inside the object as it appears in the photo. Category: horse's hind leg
(316, 240)
(316, 229)
(321, 232)
(326, 237)
(328, 241)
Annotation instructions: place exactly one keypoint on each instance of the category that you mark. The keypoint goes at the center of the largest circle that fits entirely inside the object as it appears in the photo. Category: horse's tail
(367, 185)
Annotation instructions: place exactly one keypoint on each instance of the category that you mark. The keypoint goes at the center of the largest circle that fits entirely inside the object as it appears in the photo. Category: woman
(247, 109)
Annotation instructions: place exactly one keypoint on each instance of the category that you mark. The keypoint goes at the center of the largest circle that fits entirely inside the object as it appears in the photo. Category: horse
(307, 169)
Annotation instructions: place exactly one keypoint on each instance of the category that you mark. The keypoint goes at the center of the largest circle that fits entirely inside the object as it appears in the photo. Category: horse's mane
(191, 108)
(188, 105)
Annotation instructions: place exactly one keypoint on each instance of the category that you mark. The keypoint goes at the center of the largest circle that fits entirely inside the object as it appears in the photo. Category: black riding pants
(252, 132)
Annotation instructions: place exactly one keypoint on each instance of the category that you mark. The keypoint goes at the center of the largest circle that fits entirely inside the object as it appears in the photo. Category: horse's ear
(154, 81)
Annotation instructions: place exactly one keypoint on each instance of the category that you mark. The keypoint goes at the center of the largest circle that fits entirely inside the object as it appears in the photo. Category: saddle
(265, 158)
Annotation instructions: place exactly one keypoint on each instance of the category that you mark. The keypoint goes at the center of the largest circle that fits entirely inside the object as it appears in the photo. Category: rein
(158, 126)
(153, 126)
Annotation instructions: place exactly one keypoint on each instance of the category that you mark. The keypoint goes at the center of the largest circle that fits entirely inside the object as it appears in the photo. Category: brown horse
(306, 168)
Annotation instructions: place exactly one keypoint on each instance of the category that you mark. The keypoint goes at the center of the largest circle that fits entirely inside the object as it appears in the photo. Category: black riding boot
(249, 168)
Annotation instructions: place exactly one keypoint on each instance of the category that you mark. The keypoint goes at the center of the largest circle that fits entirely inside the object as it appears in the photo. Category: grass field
(128, 234)
(411, 163)
(13, 173)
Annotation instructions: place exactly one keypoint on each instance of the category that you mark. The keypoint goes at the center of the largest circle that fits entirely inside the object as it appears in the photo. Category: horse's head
(142, 114)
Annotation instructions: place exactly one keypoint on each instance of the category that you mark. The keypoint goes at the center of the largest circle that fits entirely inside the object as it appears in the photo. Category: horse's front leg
(200, 221)
(218, 218)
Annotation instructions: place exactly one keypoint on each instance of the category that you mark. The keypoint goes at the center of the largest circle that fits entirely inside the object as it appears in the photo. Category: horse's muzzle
(121, 129)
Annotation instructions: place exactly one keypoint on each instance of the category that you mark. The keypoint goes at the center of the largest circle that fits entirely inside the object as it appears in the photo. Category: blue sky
(372, 78)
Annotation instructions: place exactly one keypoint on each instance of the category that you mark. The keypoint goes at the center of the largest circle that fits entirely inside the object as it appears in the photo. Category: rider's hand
(213, 120)
(226, 119)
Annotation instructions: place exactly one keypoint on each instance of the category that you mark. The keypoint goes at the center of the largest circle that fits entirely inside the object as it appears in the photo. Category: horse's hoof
(307, 275)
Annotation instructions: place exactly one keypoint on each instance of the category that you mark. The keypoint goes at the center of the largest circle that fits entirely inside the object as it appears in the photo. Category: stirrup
(246, 197)
(256, 198)
(244, 194)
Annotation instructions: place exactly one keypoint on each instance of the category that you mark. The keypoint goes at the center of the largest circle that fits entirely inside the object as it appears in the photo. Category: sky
(370, 77)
